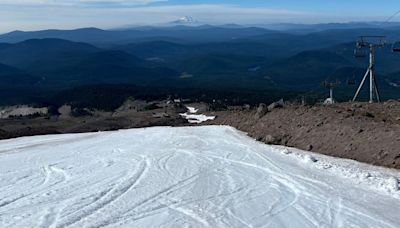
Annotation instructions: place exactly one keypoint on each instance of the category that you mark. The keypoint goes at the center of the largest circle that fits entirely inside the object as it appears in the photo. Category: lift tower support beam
(373, 88)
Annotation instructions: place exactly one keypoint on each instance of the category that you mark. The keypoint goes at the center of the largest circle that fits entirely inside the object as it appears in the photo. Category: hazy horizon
(31, 15)
(169, 24)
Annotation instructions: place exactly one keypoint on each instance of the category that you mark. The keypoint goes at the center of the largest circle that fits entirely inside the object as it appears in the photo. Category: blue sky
(66, 14)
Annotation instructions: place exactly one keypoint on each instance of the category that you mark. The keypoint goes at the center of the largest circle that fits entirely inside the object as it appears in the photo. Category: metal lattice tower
(369, 43)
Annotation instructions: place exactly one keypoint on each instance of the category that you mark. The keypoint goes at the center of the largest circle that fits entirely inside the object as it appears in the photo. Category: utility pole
(362, 44)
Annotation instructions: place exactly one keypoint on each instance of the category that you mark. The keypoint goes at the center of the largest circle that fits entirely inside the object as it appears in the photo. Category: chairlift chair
(360, 53)
(396, 46)
(360, 44)
(351, 81)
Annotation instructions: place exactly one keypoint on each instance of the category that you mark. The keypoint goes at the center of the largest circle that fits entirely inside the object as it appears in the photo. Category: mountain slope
(115, 67)
(39, 54)
(77, 35)
(13, 77)
(17, 86)
(306, 69)
(65, 63)
(98, 36)
(161, 50)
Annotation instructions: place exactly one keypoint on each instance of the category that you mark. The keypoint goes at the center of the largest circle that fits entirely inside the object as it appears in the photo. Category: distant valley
(195, 61)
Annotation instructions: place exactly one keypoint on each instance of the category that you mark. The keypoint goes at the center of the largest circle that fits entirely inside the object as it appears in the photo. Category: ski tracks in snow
(175, 177)
(107, 198)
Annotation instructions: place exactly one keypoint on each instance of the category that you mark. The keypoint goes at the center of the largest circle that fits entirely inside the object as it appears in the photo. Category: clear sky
(63, 14)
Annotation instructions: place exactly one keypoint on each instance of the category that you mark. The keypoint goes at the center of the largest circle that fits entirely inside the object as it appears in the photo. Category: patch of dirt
(101, 121)
(364, 132)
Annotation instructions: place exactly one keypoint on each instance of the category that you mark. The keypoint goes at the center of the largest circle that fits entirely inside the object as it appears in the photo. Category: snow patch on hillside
(197, 119)
(194, 118)
(192, 110)
(376, 178)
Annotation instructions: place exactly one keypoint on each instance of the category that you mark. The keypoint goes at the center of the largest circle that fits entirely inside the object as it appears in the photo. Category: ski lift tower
(330, 86)
(370, 43)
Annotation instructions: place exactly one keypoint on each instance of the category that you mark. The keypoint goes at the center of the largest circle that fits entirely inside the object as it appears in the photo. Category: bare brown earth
(99, 121)
(364, 132)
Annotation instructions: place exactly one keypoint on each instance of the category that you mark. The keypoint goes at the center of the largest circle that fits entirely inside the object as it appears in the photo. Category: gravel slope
(364, 132)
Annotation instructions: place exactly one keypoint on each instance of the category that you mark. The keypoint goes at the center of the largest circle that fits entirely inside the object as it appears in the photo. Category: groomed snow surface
(211, 176)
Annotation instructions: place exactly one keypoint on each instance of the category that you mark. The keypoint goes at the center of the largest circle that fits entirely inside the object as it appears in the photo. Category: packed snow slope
(212, 176)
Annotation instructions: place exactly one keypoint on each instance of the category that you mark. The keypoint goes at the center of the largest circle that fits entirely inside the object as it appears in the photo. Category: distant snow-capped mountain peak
(186, 20)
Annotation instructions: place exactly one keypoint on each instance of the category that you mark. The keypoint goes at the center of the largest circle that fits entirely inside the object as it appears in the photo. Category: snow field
(211, 176)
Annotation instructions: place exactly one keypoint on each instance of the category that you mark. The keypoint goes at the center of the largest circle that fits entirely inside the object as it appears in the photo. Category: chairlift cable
(396, 44)
(389, 18)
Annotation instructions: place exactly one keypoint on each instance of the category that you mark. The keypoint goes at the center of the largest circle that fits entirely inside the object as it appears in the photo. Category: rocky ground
(365, 132)
(97, 121)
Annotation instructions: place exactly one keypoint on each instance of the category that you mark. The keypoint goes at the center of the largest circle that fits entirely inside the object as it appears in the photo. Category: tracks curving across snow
(211, 176)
